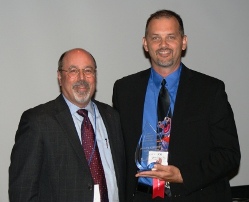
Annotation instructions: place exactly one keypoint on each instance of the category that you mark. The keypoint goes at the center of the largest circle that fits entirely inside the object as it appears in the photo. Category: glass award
(153, 145)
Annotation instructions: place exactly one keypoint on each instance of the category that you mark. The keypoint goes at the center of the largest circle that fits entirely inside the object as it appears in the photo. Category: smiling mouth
(164, 52)
(81, 88)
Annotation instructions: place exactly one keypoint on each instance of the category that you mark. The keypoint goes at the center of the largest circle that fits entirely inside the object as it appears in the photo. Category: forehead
(163, 24)
(78, 58)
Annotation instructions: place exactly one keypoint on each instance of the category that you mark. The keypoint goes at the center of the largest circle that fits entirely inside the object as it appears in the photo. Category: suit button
(90, 187)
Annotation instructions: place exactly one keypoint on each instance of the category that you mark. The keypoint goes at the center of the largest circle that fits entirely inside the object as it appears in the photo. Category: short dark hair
(60, 62)
(166, 14)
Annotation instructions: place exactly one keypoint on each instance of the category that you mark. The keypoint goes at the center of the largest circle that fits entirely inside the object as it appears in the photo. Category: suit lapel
(183, 95)
(139, 97)
(65, 119)
(183, 99)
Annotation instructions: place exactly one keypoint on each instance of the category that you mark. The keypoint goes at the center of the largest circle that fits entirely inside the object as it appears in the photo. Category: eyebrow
(73, 66)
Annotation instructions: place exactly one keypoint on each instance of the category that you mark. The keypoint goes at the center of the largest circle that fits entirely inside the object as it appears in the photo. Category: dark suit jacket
(204, 142)
(47, 160)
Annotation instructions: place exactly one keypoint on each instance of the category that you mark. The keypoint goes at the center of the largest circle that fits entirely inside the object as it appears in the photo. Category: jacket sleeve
(224, 153)
(26, 161)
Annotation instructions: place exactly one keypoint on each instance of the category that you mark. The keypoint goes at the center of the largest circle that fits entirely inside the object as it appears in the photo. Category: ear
(184, 42)
(59, 77)
(145, 44)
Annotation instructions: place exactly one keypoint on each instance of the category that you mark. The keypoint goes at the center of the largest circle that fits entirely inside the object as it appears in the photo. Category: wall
(35, 33)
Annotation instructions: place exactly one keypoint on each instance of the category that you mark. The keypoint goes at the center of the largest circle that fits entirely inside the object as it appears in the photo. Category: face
(164, 44)
(80, 89)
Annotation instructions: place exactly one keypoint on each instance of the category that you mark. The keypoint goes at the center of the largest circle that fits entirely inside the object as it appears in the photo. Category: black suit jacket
(204, 142)
(47, 160)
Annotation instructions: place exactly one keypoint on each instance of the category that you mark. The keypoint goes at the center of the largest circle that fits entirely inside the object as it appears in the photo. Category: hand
(166, 173)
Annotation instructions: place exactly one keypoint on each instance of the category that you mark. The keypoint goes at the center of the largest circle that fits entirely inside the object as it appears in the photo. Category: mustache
(81, 83)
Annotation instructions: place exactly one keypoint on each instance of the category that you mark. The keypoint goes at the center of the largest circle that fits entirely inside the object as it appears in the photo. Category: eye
(73, 71)
(155, 38)
(88, 71)
(171, 37)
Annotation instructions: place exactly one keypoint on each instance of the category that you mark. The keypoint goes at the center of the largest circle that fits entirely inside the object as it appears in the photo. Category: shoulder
(134, 77)
(104, 108)
(138, 80)
(199, 77)
(47, 108)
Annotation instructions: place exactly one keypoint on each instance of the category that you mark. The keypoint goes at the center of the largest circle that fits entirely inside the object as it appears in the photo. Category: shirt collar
(172, 79)
(73, 108)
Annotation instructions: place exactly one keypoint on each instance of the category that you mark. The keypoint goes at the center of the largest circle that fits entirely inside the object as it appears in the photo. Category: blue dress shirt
(151, 97)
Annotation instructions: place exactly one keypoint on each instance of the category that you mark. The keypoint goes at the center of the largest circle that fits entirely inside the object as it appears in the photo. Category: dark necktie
(163, 110)
(91, 150)
(163, 105)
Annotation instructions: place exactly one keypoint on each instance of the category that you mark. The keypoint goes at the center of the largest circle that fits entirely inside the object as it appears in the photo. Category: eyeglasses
(73, 72)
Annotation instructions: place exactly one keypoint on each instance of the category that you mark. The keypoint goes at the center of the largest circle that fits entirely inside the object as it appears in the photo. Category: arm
(222, 156)
(26, 161)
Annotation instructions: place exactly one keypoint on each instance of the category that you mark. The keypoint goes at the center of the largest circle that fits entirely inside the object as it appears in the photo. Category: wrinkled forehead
(163, 21)
(79, 58)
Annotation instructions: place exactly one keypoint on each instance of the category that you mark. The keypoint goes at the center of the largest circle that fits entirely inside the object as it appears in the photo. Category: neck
(165, 71)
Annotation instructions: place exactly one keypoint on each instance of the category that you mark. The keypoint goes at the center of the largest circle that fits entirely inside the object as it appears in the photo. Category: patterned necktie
(163, 104)
(163, 110)
(91, 150)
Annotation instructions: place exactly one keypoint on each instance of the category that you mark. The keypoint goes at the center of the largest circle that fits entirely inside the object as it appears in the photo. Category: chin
(83, 99)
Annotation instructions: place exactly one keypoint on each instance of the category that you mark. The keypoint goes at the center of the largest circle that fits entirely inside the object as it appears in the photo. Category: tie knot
(82, 112)
(163, 82)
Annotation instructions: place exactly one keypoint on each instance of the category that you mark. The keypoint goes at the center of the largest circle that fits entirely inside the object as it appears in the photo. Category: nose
(164, 42)
(81, 75)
